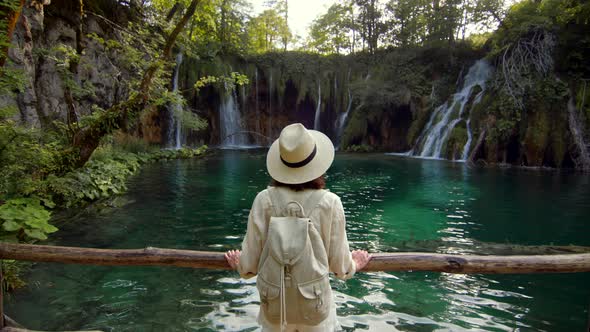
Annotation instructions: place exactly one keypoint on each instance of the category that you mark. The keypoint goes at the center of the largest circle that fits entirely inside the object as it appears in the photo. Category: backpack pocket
(270, 302)
(314, 304)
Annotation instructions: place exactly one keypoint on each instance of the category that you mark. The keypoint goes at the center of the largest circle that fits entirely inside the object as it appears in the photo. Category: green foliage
(329, 32)
(95, 180)
(25, 219)
(12, 80)
(355, 131)
(267, 31)
(360, 148)
(106, 174)
(190, 120)
(26, 157)
(12, 270)
(456, 142)
(226, 82)
(422, 116)
(366, 23)
(479, 40)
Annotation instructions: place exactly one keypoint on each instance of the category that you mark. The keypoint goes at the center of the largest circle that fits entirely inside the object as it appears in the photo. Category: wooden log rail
(568, 263)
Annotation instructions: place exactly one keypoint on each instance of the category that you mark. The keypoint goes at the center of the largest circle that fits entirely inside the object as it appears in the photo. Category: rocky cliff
(42, 32)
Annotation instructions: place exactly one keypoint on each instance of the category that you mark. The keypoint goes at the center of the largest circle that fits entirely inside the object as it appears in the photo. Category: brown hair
(319, 183)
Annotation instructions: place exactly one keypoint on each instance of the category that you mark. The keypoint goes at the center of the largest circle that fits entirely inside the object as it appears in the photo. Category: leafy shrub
(93, 181)
(11, 271)
(26, 219)
(360, 148)
(106, 174)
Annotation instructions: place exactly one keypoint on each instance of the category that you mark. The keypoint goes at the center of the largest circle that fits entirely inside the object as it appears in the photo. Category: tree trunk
(72, 117)
(11, 19)
(285, 40)
(87, 140)
(408, 261)
(166, 52)
(173, 11)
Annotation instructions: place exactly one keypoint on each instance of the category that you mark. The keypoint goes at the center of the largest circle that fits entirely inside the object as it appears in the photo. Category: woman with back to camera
(296, 235)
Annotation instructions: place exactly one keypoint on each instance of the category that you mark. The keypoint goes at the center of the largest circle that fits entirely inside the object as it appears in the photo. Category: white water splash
(446, 116)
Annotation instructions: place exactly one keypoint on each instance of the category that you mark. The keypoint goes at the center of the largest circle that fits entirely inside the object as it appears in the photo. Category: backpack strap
(313, 201)
(278, 203)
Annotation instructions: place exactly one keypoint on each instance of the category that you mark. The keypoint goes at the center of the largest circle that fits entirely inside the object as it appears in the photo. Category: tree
(407, 21)
(282, 8)
(267, 30)
(330, 32)
(231, 27)
(369, 22)
(10, 11)
(86, 139)
(414, 22)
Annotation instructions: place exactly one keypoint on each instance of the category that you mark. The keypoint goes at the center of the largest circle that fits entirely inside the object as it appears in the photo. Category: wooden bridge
(410, 261)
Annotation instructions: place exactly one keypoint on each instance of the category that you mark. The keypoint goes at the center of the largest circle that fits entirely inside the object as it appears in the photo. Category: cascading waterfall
(174, 139)
(230, 121)
(316, 121)
(446, 116)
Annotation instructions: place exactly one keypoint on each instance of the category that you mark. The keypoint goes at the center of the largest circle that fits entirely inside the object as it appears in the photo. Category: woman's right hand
(360, 258)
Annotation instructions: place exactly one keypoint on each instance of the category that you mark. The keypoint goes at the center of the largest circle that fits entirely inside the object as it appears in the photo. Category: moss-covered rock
(392, 92)
(453, 148)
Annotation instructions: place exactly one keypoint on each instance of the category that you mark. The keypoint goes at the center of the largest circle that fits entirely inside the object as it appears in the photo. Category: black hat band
(303, 162)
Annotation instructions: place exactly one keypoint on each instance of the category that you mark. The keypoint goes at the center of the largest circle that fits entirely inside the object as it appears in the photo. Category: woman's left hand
(233, 258)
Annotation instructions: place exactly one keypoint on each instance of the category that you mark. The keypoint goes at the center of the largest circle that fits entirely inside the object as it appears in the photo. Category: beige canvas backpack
(293, 279)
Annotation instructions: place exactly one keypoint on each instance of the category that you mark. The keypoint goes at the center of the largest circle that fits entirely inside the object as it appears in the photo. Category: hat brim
(313, 170)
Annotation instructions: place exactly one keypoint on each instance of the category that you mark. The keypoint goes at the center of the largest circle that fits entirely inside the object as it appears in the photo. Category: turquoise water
(392, 204)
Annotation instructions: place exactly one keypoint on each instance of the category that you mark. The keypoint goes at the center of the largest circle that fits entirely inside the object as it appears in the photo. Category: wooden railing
(411, 261)
(414, 261)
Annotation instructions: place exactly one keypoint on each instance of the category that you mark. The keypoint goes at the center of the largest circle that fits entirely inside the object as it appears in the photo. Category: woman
(296, 162)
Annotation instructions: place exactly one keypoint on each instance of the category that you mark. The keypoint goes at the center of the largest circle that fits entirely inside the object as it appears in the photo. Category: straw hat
(299, 155)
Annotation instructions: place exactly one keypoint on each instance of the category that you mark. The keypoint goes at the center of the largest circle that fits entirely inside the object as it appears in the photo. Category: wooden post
(462, 264)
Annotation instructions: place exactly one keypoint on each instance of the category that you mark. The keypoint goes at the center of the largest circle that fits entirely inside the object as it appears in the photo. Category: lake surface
(391, 203)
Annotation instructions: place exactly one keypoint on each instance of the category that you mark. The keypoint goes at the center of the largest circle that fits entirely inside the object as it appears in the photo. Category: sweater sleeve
(339, 256)
(252, 243)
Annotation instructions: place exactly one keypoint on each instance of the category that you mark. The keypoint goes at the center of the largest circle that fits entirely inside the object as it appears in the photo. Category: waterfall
(269, 133)
(230, 121)
(316, 121)
(174, 138)
(446, 116)
(341, 122)
(256, 103)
